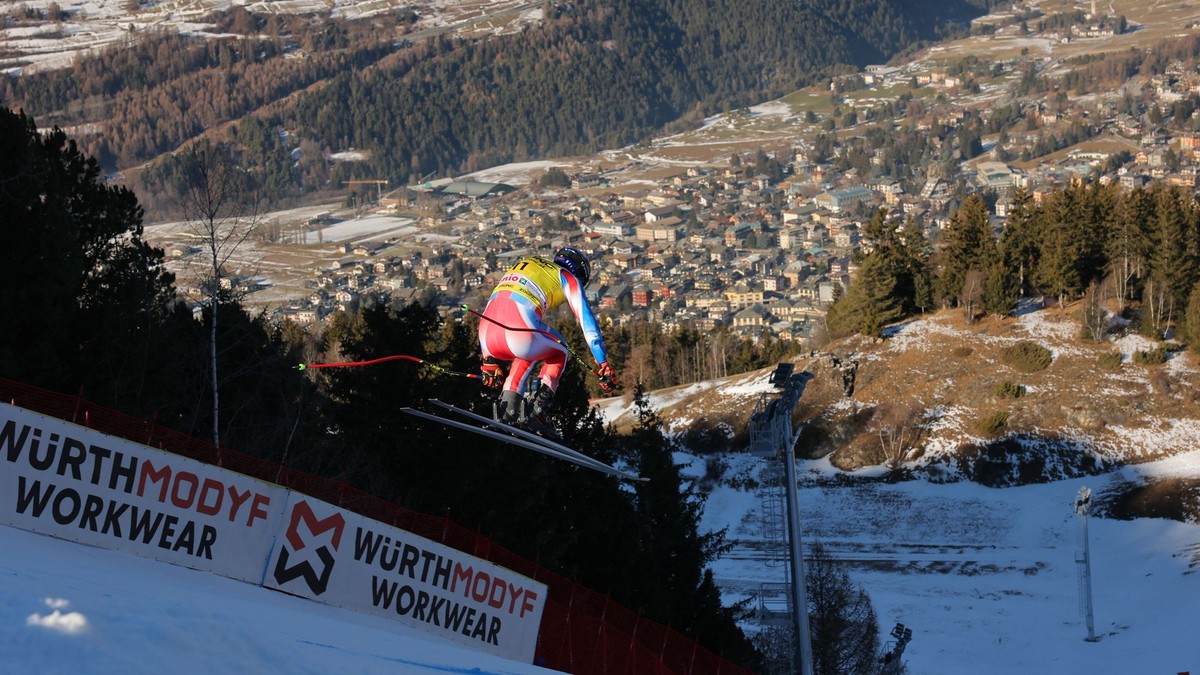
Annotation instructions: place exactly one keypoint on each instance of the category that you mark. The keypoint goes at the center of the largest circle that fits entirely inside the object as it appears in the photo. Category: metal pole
(1087, 582)
(771, 435)
(799, 582)
(1083, 504)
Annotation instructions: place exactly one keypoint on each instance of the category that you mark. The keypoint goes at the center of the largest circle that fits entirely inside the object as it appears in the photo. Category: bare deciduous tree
(972, 294)
(1157, 305)
(777, 644)
(1093, 318)
(899, 432)
(221, 208)
(639, 366)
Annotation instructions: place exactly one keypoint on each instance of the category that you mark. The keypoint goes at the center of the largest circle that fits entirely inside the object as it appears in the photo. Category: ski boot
(507, 409)
(538, 419)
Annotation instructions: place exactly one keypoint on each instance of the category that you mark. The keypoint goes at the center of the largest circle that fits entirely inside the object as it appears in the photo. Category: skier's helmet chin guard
(575, 262)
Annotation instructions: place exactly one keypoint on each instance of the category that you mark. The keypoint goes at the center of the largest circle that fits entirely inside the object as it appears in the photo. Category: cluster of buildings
(705, 249)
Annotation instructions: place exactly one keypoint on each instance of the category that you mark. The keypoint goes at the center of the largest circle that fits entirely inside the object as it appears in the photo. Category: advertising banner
(74, 483)
(340, 558)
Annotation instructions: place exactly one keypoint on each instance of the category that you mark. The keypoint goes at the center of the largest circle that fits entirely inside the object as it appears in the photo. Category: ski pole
(394, 357)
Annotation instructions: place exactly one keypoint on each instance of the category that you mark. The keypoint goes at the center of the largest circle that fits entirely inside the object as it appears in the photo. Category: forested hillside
(162, 89)
(592, 74)
(596, 74)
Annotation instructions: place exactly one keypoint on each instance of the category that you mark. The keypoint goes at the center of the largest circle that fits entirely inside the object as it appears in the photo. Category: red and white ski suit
(513, 328)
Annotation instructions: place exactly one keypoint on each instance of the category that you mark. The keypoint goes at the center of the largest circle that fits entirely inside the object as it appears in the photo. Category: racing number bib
(537, 279)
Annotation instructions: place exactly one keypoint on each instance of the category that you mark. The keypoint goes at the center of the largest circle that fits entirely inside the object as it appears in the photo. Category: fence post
(632, 658)
(483, 545)
(78, 404)
(600, 632)
(563, 645)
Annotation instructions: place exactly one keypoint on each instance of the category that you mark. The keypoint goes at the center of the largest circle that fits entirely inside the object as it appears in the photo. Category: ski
(570, 453)
(516, 431)
(521, 438)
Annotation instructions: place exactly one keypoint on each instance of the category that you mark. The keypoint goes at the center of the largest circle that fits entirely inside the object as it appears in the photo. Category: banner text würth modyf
(64, 466)
(93, 464)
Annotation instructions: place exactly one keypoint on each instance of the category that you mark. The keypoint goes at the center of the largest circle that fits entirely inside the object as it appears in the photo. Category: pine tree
(84, 298)
(1064, 257)
(892, 281)
(871, 303)
(390, 452)
(671, 553)
(1100, 225)
(1019, 241)
(1190, 326)
(967, 245)
(1129, 242)
(1001, 288)
(917, 266)
(1173, 261)
(843, 626)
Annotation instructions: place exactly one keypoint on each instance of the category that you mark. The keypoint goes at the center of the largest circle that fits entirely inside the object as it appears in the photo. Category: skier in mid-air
(513, 329)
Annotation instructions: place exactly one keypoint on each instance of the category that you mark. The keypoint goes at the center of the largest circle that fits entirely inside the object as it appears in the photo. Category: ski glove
(493, 374)
(608, 379)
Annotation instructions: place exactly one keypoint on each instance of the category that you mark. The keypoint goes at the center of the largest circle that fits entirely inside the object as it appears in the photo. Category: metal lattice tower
(772, 501)
(771, 437)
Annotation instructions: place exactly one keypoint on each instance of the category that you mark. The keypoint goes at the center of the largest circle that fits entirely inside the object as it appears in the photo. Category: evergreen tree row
(1139, 249)
(644, 352)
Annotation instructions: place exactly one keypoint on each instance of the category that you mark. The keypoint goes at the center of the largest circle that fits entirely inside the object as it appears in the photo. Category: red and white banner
(74, 483)
(341, 558)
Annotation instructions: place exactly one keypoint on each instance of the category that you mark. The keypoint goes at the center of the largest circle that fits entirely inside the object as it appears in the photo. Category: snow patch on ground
(755, 385)
(772, 108)
(515, 174)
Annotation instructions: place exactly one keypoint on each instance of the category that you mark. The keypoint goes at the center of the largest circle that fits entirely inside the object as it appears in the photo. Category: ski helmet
(575, 262)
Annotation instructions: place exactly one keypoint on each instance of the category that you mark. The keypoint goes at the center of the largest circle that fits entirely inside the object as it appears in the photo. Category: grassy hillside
(941, 400)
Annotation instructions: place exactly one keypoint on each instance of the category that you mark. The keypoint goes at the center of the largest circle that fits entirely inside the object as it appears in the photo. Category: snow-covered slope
(33, 45)
(70, 608)
(986, 578)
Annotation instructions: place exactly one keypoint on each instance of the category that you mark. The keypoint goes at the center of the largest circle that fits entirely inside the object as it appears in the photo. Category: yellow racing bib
(536, 279)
